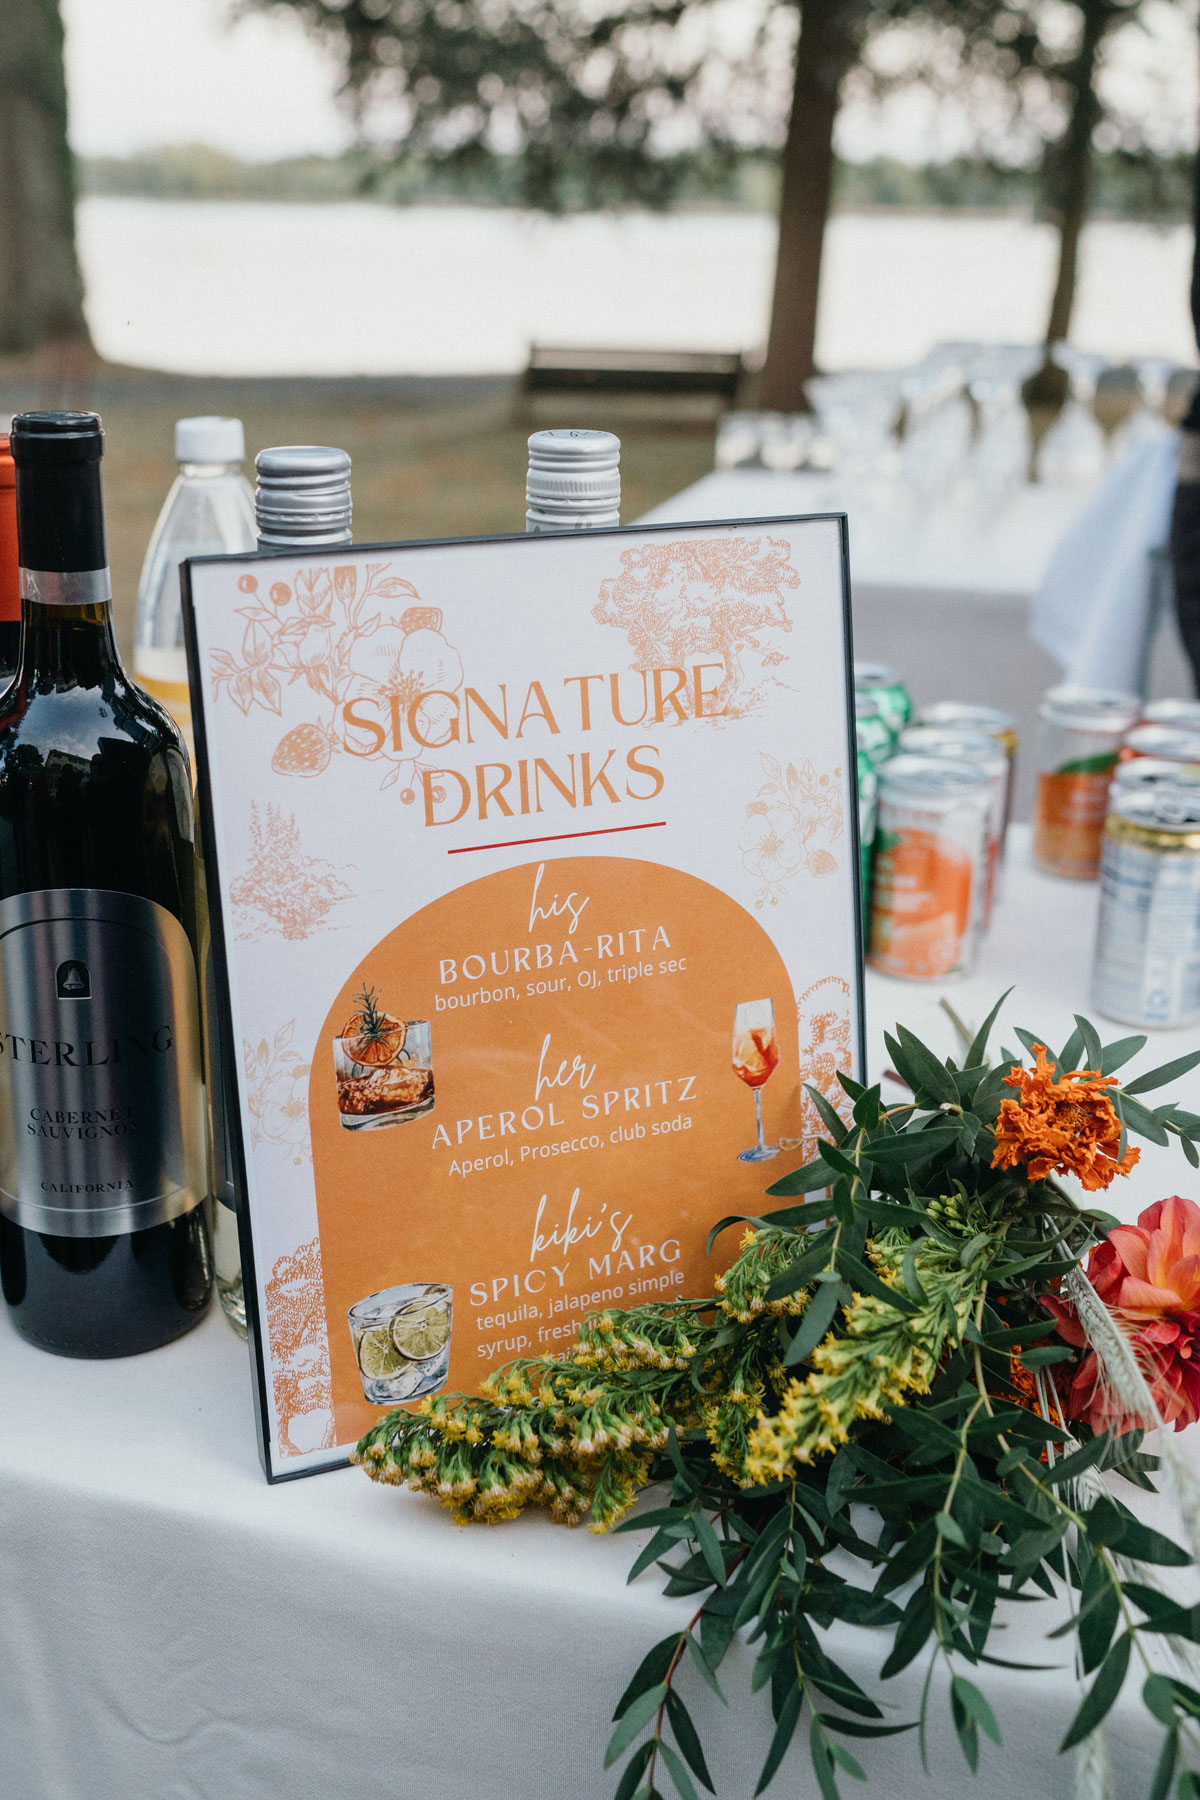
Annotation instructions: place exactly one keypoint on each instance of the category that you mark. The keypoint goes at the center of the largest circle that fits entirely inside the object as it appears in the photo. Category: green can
(871, 731)
(885, 686)
(868, 812)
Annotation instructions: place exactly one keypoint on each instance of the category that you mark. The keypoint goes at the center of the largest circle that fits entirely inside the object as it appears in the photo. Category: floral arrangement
(930, 1335)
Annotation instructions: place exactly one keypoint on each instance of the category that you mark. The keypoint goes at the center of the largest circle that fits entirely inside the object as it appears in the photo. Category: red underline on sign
(557, 838)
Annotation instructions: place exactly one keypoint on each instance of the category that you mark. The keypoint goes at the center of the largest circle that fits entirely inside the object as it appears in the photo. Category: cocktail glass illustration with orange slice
(384, 1067)
(755, 1056)
(402, 1340)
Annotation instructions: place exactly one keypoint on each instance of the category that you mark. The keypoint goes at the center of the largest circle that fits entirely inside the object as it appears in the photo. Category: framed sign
(534, 894)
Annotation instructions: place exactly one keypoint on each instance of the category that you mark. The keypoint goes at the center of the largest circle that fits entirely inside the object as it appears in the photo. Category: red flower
(1148, 1275)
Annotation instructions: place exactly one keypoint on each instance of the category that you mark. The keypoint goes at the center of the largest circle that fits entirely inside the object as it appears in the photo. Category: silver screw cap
(574, 480)
(302, 496)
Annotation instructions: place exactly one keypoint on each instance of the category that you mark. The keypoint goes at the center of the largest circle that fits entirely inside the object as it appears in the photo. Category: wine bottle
(10, 587)
(104, 1233)
(574, 481)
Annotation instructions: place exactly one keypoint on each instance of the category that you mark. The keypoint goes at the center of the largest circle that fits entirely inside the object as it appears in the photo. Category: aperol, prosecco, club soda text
(104, 1246)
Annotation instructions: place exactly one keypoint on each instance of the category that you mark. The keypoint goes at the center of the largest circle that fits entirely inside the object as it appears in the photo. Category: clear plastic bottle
(208, 512)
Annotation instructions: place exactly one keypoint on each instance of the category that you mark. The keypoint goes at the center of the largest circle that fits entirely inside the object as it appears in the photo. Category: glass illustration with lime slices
(402, 1341)
(384, 1066)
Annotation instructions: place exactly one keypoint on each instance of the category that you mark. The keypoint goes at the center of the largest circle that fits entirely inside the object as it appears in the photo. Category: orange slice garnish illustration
(373, 1037)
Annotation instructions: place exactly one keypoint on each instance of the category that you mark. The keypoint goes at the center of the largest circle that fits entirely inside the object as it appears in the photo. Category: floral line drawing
(823, 1034)
(319, 632)
(797, 815)
(300, 1373)
(713, 599)
(277, 1094)
(283, 891)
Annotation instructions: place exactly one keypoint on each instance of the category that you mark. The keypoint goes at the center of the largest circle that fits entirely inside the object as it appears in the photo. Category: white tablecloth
(942, 593)
(171, 1628)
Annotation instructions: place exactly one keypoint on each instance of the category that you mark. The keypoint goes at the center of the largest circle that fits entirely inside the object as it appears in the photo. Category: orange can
(1081, 735)
(930, 874)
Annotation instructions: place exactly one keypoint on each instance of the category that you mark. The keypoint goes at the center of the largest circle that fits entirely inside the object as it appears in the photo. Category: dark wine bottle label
(101, 1101)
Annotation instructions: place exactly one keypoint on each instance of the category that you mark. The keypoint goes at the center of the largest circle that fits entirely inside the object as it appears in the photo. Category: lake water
(245, 288)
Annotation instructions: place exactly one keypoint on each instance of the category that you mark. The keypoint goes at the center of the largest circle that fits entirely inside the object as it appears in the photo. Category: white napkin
(1094, 612)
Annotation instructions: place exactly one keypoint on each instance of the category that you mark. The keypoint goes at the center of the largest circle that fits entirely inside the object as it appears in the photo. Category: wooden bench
(555, 370)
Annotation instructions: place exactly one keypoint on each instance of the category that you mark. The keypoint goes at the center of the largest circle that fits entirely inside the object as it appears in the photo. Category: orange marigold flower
(1148, 1276)
(1061, 1125)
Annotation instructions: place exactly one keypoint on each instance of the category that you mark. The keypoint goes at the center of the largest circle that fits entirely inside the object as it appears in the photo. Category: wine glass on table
(755, 1055)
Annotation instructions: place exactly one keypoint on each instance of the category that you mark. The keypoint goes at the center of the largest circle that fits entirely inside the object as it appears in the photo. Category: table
(960, 577)
(171, 1628)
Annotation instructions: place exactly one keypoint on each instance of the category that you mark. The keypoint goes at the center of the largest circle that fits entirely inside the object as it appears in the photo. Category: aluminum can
(973, 747)
(874, 736)
(1185, 714)
(1167, 743)
(930, 867)
(1082, 730)
(1151, 772)
(885, 686)
(963, 715)
(868, 813)
(1147, 968)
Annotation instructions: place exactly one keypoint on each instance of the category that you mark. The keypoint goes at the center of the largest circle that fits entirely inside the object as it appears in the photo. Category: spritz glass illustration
(402, 1341)
(755, 1055)
(384, 1067)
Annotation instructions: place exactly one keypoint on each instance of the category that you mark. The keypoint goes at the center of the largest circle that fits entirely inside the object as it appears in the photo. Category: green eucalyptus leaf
(1071, 1052)
(785, 1726)
(635, 1718)
(934, 1081)
(831, 1118)
(1099, 1615)
(1115, 1056)
(818, 1317)
(978, 1050)
(807, 1180)
(1164, 1769)
(684, 1785)
(842, 1164)
(1170, 1071)
(650, 1672)
(634, 1770)
(1046, 1356)
(800, 1272)
(1091, 1044)
(686, 1738)
(1139, 1118)
(1102, 1693)
(973, 1702)
(913, 1145)
(1074, 1465)
(861, 1276)
(700, 1658)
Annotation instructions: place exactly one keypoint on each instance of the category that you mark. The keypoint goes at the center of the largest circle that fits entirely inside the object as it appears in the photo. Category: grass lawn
(430, 458)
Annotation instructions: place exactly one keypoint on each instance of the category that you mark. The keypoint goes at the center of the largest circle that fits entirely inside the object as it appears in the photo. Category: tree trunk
(1070, 165)
(41, 290)
(826, 51)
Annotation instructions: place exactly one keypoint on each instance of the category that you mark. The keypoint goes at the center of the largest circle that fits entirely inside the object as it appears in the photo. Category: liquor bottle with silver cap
(104, 1237)
(301, 501)
(302, 497)
(208, 512)
(574, 481)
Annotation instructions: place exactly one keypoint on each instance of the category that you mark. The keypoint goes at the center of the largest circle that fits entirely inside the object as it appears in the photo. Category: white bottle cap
(302, 496)
(574, 481)
(209, 440)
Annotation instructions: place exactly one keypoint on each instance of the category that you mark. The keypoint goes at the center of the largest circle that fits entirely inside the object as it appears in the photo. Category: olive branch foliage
(873, 1353)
